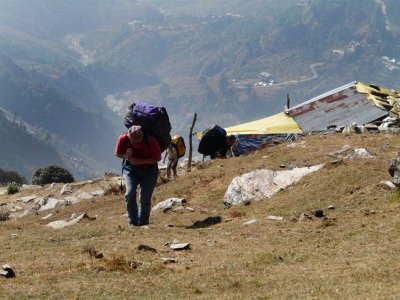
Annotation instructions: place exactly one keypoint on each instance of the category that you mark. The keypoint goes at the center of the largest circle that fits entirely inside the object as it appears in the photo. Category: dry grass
(353, 253)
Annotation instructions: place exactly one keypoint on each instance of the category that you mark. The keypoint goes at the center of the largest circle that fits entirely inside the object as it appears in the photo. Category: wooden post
(189, 166)
(288, 101)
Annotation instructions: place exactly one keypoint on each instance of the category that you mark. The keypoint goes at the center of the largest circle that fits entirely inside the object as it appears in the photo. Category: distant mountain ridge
(63, 124)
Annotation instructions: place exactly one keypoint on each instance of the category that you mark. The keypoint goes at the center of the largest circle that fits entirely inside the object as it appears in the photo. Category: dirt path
(314, 75)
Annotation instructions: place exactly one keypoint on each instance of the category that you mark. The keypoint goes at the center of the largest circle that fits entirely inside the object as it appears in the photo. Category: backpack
(179, 144)
(153, 119)
(212, 140)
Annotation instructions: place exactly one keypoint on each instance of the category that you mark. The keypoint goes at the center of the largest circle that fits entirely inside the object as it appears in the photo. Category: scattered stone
(336, 161)
(14, 235)
(190, 209)
(331, 207)
(360, 153)
(72, 199)
(250, 222)
(62, 223)
(179, 246)
(46, 217)
(85, 196)
(27, 199)
(98, 193)
(275, 218)
(168, 204)
(319, 213)
(6, 271)
(304, 217)
(142, 247)
(18, 208)
(179, 208)
(52, 203)
(3, 203)
(167, 260)
(338, 154)
(388, 185)
(66, 189)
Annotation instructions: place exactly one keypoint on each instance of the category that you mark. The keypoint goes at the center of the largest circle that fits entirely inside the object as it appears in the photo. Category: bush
(52, 174)
(4, 214)
(11, 176)
(13, 188)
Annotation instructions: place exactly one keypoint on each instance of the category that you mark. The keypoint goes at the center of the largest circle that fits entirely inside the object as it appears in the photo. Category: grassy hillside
(201, 57)
(351, 253)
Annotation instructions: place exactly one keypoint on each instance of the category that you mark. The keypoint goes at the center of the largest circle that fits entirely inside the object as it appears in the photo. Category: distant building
(264, 76)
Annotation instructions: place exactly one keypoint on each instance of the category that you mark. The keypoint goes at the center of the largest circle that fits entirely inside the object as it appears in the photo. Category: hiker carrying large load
(154, 121)
(140, 148)
(215, 142)
(176, 150)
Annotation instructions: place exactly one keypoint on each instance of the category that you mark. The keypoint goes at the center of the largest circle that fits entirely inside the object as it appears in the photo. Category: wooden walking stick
(189, 166)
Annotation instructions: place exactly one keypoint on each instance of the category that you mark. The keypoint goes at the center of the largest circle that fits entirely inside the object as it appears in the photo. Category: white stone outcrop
(263, 184)
(63, 223)
(168, 204)
(52, 202)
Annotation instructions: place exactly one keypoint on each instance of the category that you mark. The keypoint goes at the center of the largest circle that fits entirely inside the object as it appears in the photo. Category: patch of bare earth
(351, 253)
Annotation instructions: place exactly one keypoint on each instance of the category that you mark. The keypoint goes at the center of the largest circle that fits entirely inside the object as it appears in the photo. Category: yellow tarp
(276, 124)
(381, 97)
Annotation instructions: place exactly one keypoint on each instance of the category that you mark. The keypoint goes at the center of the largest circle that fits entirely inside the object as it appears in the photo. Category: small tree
(7, 177)
(52, 174)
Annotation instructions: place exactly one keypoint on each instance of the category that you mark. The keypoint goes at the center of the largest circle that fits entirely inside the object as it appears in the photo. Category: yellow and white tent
(276, 124)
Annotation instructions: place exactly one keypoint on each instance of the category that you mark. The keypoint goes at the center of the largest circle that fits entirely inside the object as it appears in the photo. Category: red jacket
(148, 147)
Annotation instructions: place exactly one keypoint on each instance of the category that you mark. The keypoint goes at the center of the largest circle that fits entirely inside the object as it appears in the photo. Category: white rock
(387, 184)
(52, 203)
(250, 222)
(274, 218)
(167, 204)
(72, 199)
(27, 199)
(360, 153)
(97, 193)
(46, 217)
(62, 223)
(179, 246)
(263, 184)
(66, 189)
(167, 260)
(85, 196)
